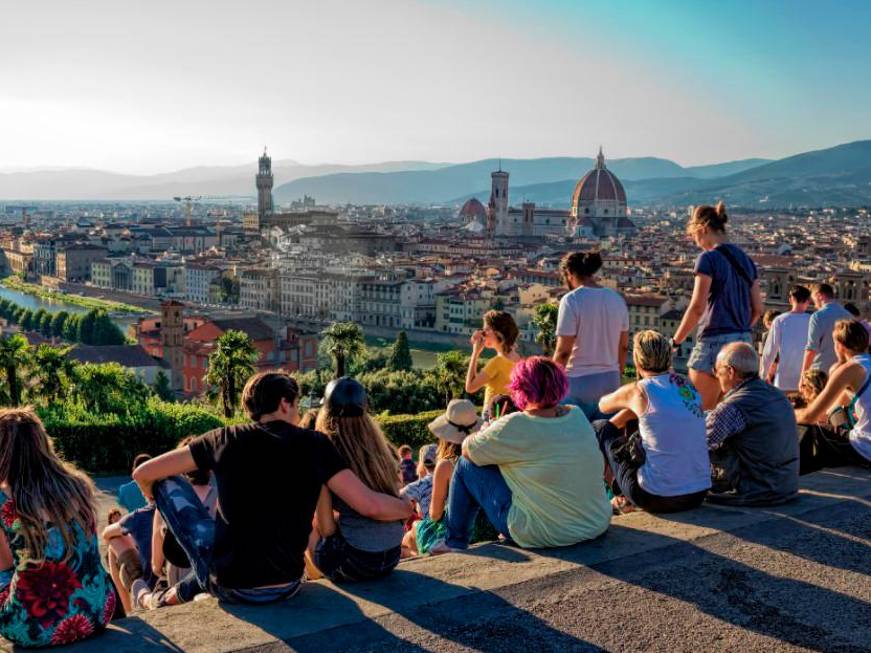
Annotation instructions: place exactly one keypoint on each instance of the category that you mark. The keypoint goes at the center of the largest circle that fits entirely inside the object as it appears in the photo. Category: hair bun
(721, 211)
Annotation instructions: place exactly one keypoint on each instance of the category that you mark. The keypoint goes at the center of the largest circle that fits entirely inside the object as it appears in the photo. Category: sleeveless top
(672, 433)
(53, 601)
(860, 435)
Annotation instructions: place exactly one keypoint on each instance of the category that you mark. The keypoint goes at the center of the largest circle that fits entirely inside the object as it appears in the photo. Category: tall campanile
(498, 204)
(264, 185)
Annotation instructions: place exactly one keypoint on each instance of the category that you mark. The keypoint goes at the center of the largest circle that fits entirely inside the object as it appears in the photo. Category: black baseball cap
(346, 397)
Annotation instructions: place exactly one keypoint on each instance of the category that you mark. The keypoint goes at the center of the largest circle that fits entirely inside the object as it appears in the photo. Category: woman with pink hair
(535, 473)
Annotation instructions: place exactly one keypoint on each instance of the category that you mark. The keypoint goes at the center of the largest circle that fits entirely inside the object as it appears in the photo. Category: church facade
(598, 209)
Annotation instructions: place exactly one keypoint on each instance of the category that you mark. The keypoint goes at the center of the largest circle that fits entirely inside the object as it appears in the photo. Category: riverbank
(13, 283)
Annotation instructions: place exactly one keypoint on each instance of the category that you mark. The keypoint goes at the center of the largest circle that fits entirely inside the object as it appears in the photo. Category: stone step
(428, 597)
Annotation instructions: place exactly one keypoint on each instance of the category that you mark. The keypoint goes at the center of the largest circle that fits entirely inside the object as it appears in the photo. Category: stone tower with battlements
(264, 185)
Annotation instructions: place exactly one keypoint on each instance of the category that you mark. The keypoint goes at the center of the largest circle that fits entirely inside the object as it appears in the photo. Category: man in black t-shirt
(269, 475)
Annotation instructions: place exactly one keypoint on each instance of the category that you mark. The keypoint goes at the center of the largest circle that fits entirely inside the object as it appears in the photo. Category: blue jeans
(194, 529)
(474, 488)
(585, 391)
(339, 561)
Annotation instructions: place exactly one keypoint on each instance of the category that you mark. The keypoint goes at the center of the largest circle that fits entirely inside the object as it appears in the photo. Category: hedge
(409, 429)
(108, 443)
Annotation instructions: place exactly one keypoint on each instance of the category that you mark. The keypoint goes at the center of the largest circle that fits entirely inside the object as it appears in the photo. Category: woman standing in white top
(670, 470)
(592, 333)
(849, 386)
(783, 353)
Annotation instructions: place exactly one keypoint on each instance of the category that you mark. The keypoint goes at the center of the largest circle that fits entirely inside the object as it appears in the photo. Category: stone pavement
(790, 578)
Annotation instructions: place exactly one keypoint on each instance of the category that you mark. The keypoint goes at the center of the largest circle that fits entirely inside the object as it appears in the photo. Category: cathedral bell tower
(264, 185)
(498, 204)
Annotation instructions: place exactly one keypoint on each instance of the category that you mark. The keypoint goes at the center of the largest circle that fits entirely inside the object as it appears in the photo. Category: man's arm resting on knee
(177, 461)
(375, 505)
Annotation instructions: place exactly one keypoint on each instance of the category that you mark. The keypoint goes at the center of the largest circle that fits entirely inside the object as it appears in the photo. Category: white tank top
(860, 436)
(673, 437)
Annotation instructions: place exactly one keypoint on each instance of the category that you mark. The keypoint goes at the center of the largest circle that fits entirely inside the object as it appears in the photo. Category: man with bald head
(752, 435)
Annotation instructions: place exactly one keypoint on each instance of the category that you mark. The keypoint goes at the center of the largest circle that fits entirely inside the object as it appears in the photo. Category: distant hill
(465, 179)
(84, 184)
(839, 176)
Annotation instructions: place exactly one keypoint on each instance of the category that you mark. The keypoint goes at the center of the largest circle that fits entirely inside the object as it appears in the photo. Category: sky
(153, 86)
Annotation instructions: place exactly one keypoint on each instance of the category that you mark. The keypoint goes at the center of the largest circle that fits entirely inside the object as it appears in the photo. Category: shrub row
(107, 444)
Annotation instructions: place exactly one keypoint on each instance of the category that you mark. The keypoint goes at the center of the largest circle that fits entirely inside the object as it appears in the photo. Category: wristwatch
(674, 344)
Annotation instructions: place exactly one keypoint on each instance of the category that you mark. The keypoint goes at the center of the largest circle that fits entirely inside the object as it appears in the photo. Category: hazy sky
(148, 86)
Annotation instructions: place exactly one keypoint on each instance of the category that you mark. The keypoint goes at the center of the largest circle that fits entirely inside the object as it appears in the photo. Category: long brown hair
(45, 489)
(363, 446)
(504, 328)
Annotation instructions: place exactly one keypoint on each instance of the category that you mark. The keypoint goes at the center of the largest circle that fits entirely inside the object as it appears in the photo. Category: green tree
(229, 290)
(14, 352)
(51, 374)
(36, 322)
(85, 327)
(108, 388)
(44, 325)
(18, 315)
(106, 332)
(4, 308)
(400, 355)
(230, 364)
(58, 322)
(343, 342)
(26, 321)
(450, 374)
(545, 321)
(71, 328)
(162, 388)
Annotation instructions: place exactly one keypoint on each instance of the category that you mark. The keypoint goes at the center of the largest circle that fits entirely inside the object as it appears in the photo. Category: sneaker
(621, 506)
(441, 547)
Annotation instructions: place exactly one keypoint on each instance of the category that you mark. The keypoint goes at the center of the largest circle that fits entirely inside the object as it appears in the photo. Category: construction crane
(188, 203)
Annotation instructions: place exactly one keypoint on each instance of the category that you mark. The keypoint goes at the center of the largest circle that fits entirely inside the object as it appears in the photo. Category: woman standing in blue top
(726, 300)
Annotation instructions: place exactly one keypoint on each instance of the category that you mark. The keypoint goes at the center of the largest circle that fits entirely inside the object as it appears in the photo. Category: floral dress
(53, 602)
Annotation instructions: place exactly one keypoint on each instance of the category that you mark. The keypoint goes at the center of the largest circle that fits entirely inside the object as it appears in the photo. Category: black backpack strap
(724, 250)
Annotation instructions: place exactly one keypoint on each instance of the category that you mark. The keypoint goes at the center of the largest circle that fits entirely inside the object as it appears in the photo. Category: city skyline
(146, 90)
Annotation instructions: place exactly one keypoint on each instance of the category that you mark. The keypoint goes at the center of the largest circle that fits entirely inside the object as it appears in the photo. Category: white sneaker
(441, 547)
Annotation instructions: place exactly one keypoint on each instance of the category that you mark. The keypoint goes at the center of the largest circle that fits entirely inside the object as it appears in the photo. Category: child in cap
(406, 464)
(459, 421)
(420, 491)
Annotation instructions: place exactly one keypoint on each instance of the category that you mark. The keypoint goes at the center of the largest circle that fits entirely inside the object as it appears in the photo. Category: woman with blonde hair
(499, 333)
(350, 546)
(726, 300)
(665, 468)
(53, 588)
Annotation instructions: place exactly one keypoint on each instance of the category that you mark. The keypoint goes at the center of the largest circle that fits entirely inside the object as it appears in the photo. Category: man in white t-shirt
(592, 333)
(783, 353)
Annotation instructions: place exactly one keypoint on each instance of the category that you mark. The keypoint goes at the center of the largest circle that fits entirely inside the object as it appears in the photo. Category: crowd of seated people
(533, 464)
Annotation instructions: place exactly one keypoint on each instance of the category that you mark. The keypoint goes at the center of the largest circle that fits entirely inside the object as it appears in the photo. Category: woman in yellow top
(499, 333)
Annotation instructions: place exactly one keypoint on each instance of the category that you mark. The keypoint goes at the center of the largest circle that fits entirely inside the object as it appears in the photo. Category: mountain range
(838, 175)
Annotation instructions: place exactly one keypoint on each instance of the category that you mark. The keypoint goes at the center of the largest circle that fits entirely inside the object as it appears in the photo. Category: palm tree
(545, 321)
(13, 359)
(51, 373)
(230, 364)
(342, 341)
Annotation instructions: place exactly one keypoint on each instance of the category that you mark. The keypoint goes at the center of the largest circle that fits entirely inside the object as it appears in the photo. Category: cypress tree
(400, 356)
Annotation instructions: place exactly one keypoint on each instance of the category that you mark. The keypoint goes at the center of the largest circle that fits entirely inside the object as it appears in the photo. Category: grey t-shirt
(819, 334)
(367, 534)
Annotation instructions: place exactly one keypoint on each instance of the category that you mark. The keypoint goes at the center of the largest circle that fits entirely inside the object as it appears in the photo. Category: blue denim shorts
(704, 354)
(339, 561)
